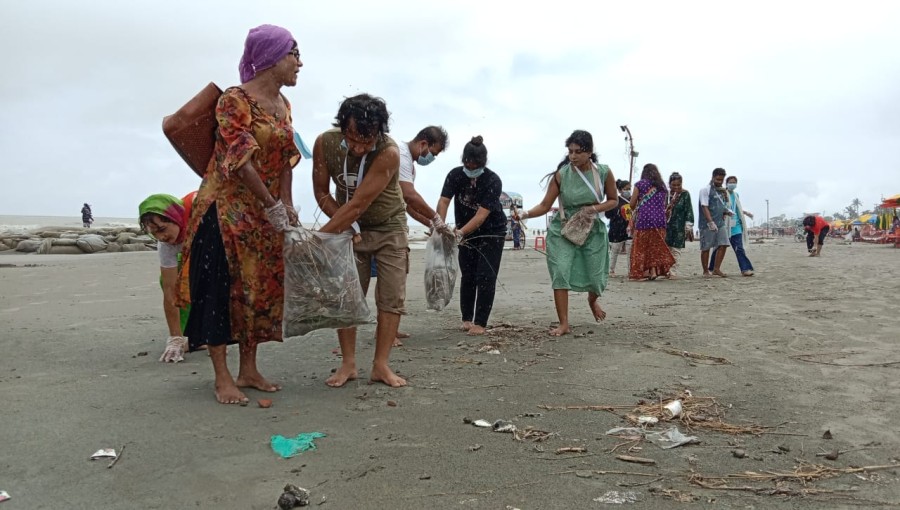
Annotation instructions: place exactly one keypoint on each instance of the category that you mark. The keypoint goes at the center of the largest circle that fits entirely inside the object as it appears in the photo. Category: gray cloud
(799, 103)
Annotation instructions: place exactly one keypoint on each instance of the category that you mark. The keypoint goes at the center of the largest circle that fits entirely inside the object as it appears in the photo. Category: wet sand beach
(80, 337)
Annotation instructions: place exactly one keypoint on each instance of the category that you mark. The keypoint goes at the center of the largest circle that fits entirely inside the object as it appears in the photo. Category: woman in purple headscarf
(234, 240)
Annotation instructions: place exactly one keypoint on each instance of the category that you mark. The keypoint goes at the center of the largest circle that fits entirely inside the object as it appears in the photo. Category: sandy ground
(73, 378)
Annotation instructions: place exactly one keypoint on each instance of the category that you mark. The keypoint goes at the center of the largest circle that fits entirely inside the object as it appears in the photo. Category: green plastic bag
(288, 447)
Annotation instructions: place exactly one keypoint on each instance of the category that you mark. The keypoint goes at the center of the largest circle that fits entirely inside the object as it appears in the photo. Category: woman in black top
(481, 230)
(619, 240)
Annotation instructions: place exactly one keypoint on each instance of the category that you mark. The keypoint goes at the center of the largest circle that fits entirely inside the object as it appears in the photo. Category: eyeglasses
(295, 53)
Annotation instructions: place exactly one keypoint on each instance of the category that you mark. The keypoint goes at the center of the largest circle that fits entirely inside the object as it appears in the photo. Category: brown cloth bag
(192, 129)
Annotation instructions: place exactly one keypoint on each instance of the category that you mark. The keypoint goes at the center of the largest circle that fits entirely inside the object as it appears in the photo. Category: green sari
(578, 268)
(679, 213)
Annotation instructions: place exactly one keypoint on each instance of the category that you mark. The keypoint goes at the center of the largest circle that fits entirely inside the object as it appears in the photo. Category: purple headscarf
(264, 47)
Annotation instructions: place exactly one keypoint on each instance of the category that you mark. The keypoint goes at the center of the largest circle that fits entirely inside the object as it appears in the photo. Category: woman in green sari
(583, 188)
(679, 218)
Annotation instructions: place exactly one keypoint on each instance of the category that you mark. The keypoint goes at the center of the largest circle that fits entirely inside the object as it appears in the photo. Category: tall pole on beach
(767, 218)
(631, 153)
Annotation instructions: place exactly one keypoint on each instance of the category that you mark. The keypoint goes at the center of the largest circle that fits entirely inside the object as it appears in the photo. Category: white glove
(712, 226)
(278, 216)
(457, 233)
(174, 352)
(438, 225)
(688, 225)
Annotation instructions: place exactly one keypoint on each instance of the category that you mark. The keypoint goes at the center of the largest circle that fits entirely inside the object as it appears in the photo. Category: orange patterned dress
(252, 246)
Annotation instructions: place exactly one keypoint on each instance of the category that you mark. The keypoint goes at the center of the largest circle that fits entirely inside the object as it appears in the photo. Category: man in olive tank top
(363, 163)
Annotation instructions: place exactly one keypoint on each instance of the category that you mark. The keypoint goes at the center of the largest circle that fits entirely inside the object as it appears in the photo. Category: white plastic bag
(321, 283)
(440, 270)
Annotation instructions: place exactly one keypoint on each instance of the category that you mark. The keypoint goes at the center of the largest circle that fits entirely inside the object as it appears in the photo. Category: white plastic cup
(673, 408)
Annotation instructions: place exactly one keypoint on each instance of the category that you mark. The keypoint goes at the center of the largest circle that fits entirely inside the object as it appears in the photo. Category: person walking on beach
(429, 143)
(364, 164)
(619, 232)
(738, 236)
(165, 218)
(86, 216)
(650, 256)
(816, 231)
(584, 187)
(714, 226)
(234, 241)
(679, 218)
(515, 227)
(480, 229)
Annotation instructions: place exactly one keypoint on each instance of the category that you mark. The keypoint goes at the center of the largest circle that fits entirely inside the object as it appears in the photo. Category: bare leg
(704, 260)
(561, 299)
(594, 304)
(347, 370)
(226, 391)
(385, 333)
(248, 374)
(720, 256)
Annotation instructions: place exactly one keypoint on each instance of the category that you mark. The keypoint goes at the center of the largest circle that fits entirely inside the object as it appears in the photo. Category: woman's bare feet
(476, 330)
(344, 373)
(384, 374)
(228, 393)
(599, 313)
(466, 326)
(560, 330)
(707, 274)
(719, 273)
(256, 381)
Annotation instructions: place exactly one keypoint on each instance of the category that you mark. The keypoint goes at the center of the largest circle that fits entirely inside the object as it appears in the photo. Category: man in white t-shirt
(422, 149)
(430, 142)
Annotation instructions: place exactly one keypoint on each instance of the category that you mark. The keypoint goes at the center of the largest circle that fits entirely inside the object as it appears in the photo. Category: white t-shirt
(407, 169)
(168, 254)
(704, 195)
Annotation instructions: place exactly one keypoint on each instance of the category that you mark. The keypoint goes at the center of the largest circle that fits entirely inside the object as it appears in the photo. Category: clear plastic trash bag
(321, 283)
(440, 270)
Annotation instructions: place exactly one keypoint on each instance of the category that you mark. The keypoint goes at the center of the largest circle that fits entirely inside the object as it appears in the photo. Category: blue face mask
(473, 174)
(731, 186)
(425, 159)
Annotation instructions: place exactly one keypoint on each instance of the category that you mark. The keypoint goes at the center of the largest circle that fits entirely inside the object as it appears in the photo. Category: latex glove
(457, 233)
(438, 225)
(293, 215)
(175, 347)
(278, 216)
(712, 226)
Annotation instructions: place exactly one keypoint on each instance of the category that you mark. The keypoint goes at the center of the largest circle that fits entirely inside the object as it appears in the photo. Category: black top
(618, 225)
(470, 194)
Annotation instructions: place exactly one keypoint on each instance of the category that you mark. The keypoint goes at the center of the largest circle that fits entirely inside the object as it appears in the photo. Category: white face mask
(626, 194)
(731, 186)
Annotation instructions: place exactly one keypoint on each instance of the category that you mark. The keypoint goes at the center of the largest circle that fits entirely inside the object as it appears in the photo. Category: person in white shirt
(427, 145)
(423, 149)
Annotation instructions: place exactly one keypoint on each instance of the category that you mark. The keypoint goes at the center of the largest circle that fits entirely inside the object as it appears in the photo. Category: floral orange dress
(253, 248)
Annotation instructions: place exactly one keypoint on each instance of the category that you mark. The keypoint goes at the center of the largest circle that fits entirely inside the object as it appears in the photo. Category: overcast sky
(798, 99)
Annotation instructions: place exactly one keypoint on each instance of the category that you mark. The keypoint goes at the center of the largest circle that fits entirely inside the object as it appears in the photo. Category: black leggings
(811, 238)
(479, 264)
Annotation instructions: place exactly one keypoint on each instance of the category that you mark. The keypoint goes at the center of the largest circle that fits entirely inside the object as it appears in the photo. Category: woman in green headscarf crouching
(165, 217)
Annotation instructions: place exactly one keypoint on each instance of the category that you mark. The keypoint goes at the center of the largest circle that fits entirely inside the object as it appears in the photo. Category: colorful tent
(891, 202)
(869, 218)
